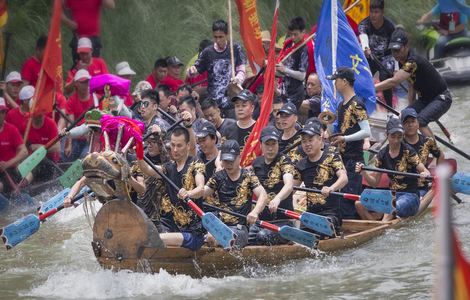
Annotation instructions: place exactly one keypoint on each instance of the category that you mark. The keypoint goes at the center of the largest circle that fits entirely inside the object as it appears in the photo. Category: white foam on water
(106, 284)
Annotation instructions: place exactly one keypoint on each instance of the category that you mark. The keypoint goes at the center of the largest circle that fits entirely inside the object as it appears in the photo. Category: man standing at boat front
(353, 127)
(434, 97)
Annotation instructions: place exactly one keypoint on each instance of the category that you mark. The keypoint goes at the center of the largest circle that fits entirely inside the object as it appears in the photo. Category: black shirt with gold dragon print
(406, 161)
(177, 215)
(425, 79)
(425, 146)
(349, 116)
(235, 195)
(271, 178)
(317, 174)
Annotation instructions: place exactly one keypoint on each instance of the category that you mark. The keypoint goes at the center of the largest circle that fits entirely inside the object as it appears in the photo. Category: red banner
(50, 76)
(250, 31)
(252, 147)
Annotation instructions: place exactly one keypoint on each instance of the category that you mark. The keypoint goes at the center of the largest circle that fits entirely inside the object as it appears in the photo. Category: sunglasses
(144, 104)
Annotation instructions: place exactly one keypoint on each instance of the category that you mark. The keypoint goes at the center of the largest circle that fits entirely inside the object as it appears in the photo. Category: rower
(276, 173)
(353, 127)
(12, 150)
(423, 145)
(244, 107)
(149, 110)
(235, 187)
(212, 114)
(180, 226)
(207, 141)
(311, 106)
(434, 98)
(288, 116)
(323, 170)
(401, 157)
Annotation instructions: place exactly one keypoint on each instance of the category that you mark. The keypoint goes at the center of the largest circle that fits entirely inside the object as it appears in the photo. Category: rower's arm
(287, 188)
(75, 189)
(21, 153)
(372, 178)
(208, 191)
(138, 184)
(262, 199)
(147, 170)
(341, 181)
(197, 192)
(397, 78)
(422, 170)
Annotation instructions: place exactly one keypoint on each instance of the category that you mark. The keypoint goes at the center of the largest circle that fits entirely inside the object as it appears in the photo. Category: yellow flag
(357, 10)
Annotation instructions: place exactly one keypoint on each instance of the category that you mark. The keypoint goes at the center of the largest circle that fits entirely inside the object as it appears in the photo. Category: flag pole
(232, 59)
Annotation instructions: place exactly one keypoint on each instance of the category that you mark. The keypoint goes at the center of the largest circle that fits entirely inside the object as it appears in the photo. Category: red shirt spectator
(42, 135)
(18, 119)
(150, 79)
(77, 107)
(86, 13)
(10, 140)
(30, 70)
(174, 66)
(97, 66)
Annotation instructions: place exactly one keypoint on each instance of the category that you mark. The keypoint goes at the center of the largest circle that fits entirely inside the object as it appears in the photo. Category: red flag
(250, 32)
(252, 146)
(50, 76)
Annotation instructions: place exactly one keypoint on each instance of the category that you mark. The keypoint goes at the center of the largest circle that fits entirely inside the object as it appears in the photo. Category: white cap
(123, 68)
(3, 104)
(141, 86)
(84, 45)
(26, 92)
(13, 77)
(81, 75)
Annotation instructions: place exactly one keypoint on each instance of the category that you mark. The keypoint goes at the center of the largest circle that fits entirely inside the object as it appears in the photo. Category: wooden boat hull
(121, 252)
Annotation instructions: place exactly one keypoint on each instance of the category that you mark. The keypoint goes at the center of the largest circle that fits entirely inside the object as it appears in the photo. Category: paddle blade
(19, 231)
(32, 161)
(318, 223)
(72, 175)
(461, 183)
(378, 200)
(221, 232)
(54, 202)
(299, 236)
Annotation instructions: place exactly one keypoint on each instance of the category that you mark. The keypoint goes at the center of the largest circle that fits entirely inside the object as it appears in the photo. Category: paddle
(441, 126)
(315, 222)
(287, 232)
(452, 147)
(23, 228)
(27, 165)
(72, 174)
(170, 117)
(460, 181)
(58, 199)
(221, 232)
(374, 200)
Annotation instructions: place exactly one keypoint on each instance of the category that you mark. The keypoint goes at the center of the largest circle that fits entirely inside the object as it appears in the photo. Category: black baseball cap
(207, 129)
(311, 128)
(398, 39)
(244, 95)
(408, 112)
(269, 133)
(174, 61)
(288, 108)
(229, 150)
(394, 125)
(343, 73)
(317, 121)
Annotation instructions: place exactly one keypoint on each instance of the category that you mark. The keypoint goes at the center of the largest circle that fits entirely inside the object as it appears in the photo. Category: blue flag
(336, 46)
